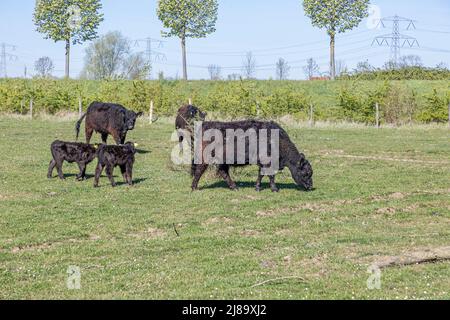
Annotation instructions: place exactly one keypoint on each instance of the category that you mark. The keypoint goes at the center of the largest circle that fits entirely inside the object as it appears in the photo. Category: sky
(270, 29)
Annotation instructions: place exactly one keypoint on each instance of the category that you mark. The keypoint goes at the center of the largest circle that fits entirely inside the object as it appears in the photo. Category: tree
(136, 67)
(109, 57)
(364, 67)
(410, 61)
(282, 69)
(249, 66)
(44, 67)
(187, 19)
(214, 72)
(311, 68)
(74, 22)
(336, 16)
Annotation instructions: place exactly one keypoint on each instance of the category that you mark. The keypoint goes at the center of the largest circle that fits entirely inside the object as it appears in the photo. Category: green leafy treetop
(187, 19)
(72, 21)
(336, 16)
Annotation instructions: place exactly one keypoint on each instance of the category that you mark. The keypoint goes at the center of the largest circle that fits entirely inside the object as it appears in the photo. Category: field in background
(399, 101)
(378, 193)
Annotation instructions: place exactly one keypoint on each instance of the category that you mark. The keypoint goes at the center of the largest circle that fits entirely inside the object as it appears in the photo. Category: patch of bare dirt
(430, 255)
(217, 220)
(149, 233)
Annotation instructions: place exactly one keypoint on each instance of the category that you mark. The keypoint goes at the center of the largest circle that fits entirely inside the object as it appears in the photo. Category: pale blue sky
(269, 28)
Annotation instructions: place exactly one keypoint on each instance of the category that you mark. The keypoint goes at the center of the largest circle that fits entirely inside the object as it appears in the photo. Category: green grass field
(378, 193)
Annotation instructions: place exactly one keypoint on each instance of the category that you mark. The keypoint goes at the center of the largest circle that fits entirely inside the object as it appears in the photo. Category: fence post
(31, 108)
(377, 115)
(449, 114)
(190, 101)
(311, 115)
(151, 112)
(80, 107)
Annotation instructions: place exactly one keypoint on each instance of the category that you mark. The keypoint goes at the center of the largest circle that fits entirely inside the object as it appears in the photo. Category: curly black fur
(108, 118)
(290, 157)
(81, 153)
(110, 157)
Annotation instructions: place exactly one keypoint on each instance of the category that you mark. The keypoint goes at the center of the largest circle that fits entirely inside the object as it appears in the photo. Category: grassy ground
(378, 192)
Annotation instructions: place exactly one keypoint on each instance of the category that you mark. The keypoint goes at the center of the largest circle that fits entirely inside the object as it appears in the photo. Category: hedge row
(422, 101)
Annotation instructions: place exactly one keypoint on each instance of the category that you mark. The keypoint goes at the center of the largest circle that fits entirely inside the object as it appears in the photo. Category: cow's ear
(139, 114)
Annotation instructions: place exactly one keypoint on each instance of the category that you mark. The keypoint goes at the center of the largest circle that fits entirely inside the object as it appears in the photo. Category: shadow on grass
(252, 185)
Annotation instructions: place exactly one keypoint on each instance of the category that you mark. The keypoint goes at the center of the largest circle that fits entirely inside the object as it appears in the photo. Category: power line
(152, 55)
(396, 40)
(6, 56)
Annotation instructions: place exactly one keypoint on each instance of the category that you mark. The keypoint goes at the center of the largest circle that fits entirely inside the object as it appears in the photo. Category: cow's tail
(78, 125)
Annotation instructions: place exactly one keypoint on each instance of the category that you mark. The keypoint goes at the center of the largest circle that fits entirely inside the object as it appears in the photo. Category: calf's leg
(98, 172)
(51, 166)
(82, 174)
(109, 173)
(129, 173)
(59, 168)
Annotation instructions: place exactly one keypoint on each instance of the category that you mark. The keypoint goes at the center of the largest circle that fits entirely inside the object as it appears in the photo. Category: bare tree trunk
(67, 59)
(332, 57)
(183, 48)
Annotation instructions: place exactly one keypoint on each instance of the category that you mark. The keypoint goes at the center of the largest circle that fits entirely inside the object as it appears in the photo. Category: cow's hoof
(95, 185)
(275, 190)
(258, 189)
(113, 185)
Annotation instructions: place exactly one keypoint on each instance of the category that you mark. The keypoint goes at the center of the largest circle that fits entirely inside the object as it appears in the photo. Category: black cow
(81, 153)
(108, 118)
(110, 157)
(289, 156)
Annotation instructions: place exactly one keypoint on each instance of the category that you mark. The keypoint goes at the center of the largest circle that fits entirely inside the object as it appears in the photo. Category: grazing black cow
(186, 116)
(110, 157)
(289, 156)
(81, 153)
(108, 118)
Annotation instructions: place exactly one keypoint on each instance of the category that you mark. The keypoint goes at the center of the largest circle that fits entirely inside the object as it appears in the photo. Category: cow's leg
(109, 173)
(123, 137)
(59, 168)
(224, 171)
(123, 169)
(89, 132)
(82, 175)
(117, 137)
(51, 166)
(104, 138)
(129, 173)
(199, 170)
(98, 172)
(273, 186)
(259, 180)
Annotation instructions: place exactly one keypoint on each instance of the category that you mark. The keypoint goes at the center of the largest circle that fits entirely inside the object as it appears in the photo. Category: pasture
(378, 193)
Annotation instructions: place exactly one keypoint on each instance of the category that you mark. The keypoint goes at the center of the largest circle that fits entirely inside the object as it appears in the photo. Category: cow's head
(302, 173)
(131, 146)
(196, 114)
(130, 119)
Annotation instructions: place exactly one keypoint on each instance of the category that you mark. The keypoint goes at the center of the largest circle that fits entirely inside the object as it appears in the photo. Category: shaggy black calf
(110, 157)
(289, 156)
(81, 153)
